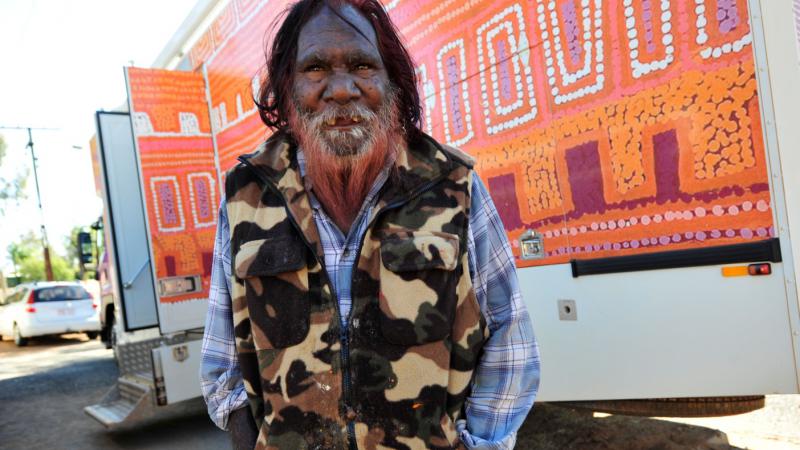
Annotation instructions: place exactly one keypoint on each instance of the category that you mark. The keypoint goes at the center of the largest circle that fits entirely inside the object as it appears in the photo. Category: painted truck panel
(608, 128)
(176, 160)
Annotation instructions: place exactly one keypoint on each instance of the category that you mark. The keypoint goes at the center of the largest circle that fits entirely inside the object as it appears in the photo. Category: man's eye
(363, 66)
(313, 68)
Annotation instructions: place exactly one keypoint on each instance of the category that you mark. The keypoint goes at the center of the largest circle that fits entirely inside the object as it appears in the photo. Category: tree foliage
(28, 258)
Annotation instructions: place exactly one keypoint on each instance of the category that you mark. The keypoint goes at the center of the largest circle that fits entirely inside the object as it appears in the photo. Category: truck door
(180, 185)
(131, 262)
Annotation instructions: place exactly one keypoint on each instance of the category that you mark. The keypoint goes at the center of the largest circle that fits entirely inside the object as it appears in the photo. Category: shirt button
(346, 252)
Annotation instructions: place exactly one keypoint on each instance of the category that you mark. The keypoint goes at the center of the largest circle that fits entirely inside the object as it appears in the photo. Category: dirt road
(44, 387)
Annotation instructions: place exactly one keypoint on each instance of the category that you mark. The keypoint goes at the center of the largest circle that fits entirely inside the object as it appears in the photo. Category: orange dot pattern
(636, 143)
(182, 237)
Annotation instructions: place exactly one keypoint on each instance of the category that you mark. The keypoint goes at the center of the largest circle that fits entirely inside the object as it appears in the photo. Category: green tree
(28, 258)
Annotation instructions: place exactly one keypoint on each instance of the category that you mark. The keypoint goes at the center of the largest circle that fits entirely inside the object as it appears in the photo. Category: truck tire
(111, 337)
(18, 339)
(674, 407)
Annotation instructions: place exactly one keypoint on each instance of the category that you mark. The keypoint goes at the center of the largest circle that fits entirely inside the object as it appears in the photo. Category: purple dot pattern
(203, 199)
(727, 15)
(667, 240)
(166, 200)
(647, 15)
(455, 95)
(505, 77)
(571, 28)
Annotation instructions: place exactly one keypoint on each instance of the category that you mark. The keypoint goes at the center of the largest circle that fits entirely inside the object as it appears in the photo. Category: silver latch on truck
(531, 245)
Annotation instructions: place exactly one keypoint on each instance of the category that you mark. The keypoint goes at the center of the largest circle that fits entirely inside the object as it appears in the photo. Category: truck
(641, 154)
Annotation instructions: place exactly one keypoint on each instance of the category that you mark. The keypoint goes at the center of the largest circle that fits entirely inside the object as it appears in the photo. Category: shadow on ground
(551, 427)
(43, 342)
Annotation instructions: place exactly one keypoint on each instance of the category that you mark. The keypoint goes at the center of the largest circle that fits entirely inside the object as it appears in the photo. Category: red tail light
(759, 269)
(30, 307)
(94, 303)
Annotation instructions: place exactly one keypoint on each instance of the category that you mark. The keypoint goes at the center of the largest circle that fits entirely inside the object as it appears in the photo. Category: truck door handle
(129, 284)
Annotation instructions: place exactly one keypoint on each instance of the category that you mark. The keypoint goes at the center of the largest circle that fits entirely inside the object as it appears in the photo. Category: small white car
(42, 308)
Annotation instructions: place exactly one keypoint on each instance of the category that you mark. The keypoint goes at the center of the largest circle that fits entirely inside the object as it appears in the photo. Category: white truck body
(612, 323)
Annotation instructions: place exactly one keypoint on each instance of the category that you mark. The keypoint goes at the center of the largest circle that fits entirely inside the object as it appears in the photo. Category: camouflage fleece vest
(400, 377)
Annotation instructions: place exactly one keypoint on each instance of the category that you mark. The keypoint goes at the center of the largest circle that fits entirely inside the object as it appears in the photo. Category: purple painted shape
(505, 77)
(571, 30)
(727, 15)
(647, 16)
(202, 199)
(208, 262)
(666, 151)
(455, 95)
(585, 179)
(170, 265)
(504, 194)
(166, 200)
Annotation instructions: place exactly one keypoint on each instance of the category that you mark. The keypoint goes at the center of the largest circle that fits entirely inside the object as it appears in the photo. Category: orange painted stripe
(734, 271)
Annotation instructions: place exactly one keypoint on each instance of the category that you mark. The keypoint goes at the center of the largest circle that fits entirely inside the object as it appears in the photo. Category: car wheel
(92, 335)
(18, 339)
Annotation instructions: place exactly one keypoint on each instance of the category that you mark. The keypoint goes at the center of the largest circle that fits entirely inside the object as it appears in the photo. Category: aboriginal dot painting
(179, 175)
(608, 127)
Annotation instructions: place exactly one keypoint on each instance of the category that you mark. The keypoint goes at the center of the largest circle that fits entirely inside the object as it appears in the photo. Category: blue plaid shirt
(507, 377)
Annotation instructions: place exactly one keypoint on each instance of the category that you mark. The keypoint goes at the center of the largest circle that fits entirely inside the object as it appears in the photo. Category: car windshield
(61, 293)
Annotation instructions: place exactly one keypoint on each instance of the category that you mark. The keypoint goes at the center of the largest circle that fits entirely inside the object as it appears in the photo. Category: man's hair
(274, 98)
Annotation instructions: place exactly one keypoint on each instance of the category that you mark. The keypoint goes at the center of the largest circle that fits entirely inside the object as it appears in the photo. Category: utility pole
(48, 267)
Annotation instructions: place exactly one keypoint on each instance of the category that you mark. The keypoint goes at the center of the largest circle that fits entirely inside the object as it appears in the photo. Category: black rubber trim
(761, 251)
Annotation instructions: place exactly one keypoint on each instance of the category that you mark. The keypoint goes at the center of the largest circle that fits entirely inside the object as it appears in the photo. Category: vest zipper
(345, 355)
(351, 431)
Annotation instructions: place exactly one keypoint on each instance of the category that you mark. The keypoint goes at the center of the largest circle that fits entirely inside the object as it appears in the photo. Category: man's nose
(341, 89)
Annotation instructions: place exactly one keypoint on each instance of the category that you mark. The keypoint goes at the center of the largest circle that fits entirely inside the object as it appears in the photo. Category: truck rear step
(126, 402)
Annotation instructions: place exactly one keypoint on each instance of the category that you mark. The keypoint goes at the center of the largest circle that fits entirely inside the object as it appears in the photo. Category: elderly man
(364, 291)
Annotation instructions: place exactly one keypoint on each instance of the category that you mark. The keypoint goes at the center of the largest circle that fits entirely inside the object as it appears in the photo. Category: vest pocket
(417, 286)
(275, 275)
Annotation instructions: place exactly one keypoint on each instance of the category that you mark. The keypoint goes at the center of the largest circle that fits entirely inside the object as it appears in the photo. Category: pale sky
(60, 61)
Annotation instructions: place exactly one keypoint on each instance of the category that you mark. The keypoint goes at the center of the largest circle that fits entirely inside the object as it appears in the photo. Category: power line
(3, 127)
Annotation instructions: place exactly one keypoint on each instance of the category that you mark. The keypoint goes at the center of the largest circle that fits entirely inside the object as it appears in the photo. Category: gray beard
(359, 139)
(353, 142)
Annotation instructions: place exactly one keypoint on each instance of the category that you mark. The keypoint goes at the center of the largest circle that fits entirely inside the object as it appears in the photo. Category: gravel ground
(44, 387)
(776, 427)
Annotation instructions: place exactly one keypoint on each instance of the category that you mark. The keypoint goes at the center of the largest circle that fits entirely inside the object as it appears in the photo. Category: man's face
(341, 88)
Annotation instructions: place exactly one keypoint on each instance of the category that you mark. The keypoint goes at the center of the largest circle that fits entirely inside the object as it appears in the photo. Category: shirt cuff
(476, 443)
(236, 399)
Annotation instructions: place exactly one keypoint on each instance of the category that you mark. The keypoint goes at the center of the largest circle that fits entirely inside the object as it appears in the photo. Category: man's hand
(243, 429)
